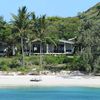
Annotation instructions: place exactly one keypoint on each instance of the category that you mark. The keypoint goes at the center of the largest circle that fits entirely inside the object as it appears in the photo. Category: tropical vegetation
(26, 27)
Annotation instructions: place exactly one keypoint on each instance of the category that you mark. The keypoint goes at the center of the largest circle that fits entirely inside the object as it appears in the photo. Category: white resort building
(62, 47)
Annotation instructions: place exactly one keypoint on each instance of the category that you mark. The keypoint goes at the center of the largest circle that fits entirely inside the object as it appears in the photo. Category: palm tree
(31, 35)
(21, 24)
(40, 29)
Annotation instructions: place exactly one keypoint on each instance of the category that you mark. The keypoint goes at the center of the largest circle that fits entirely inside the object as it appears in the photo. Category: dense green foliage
(50, 62)
(89, 40)
(63, 28)
(26, 27)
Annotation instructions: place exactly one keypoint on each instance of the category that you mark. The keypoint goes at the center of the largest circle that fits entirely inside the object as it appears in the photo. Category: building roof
(61, 40)
(66, 41)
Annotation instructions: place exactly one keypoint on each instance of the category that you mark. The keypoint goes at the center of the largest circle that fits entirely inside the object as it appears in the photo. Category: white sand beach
(47, 80)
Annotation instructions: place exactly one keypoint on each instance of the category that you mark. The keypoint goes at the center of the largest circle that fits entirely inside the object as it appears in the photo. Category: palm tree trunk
(22, 44)
(41, 55)
(30, 48)
(13, 50)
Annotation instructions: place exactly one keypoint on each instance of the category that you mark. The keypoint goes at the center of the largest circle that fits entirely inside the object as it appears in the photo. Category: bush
(97, 66)
(23, 69)
(72, 63)
(4, 66)
(14, 63)
(83, 65)
(34, 60)
(52, 59)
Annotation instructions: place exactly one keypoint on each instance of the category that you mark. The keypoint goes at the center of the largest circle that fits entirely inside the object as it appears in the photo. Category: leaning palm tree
(21, 24)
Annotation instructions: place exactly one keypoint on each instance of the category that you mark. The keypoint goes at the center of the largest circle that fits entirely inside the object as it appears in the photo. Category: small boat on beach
(37, 79)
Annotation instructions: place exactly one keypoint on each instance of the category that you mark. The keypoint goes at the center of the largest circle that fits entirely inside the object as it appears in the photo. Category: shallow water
(50, 93)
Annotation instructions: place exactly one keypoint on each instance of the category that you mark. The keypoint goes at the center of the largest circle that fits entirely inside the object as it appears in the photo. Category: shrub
(23, 69)
(14, 63)
(97, 66)
(33, 60)
(4, 66)
(54, 59)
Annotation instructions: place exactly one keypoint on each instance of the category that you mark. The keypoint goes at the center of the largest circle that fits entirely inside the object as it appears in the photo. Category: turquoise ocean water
(50, 93)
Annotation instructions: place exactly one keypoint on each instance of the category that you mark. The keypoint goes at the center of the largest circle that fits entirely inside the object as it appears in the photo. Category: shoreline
(48, 81)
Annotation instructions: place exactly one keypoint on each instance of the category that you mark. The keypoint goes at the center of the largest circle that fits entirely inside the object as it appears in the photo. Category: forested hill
(89, 39)
(63, 28)
(57, 27)
(93, 13)
(67, 27)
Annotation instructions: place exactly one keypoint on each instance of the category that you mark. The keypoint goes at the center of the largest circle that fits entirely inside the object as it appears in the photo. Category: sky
(61, 8)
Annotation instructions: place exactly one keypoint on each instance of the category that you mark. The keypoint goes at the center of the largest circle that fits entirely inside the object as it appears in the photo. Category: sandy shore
(47, 80)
